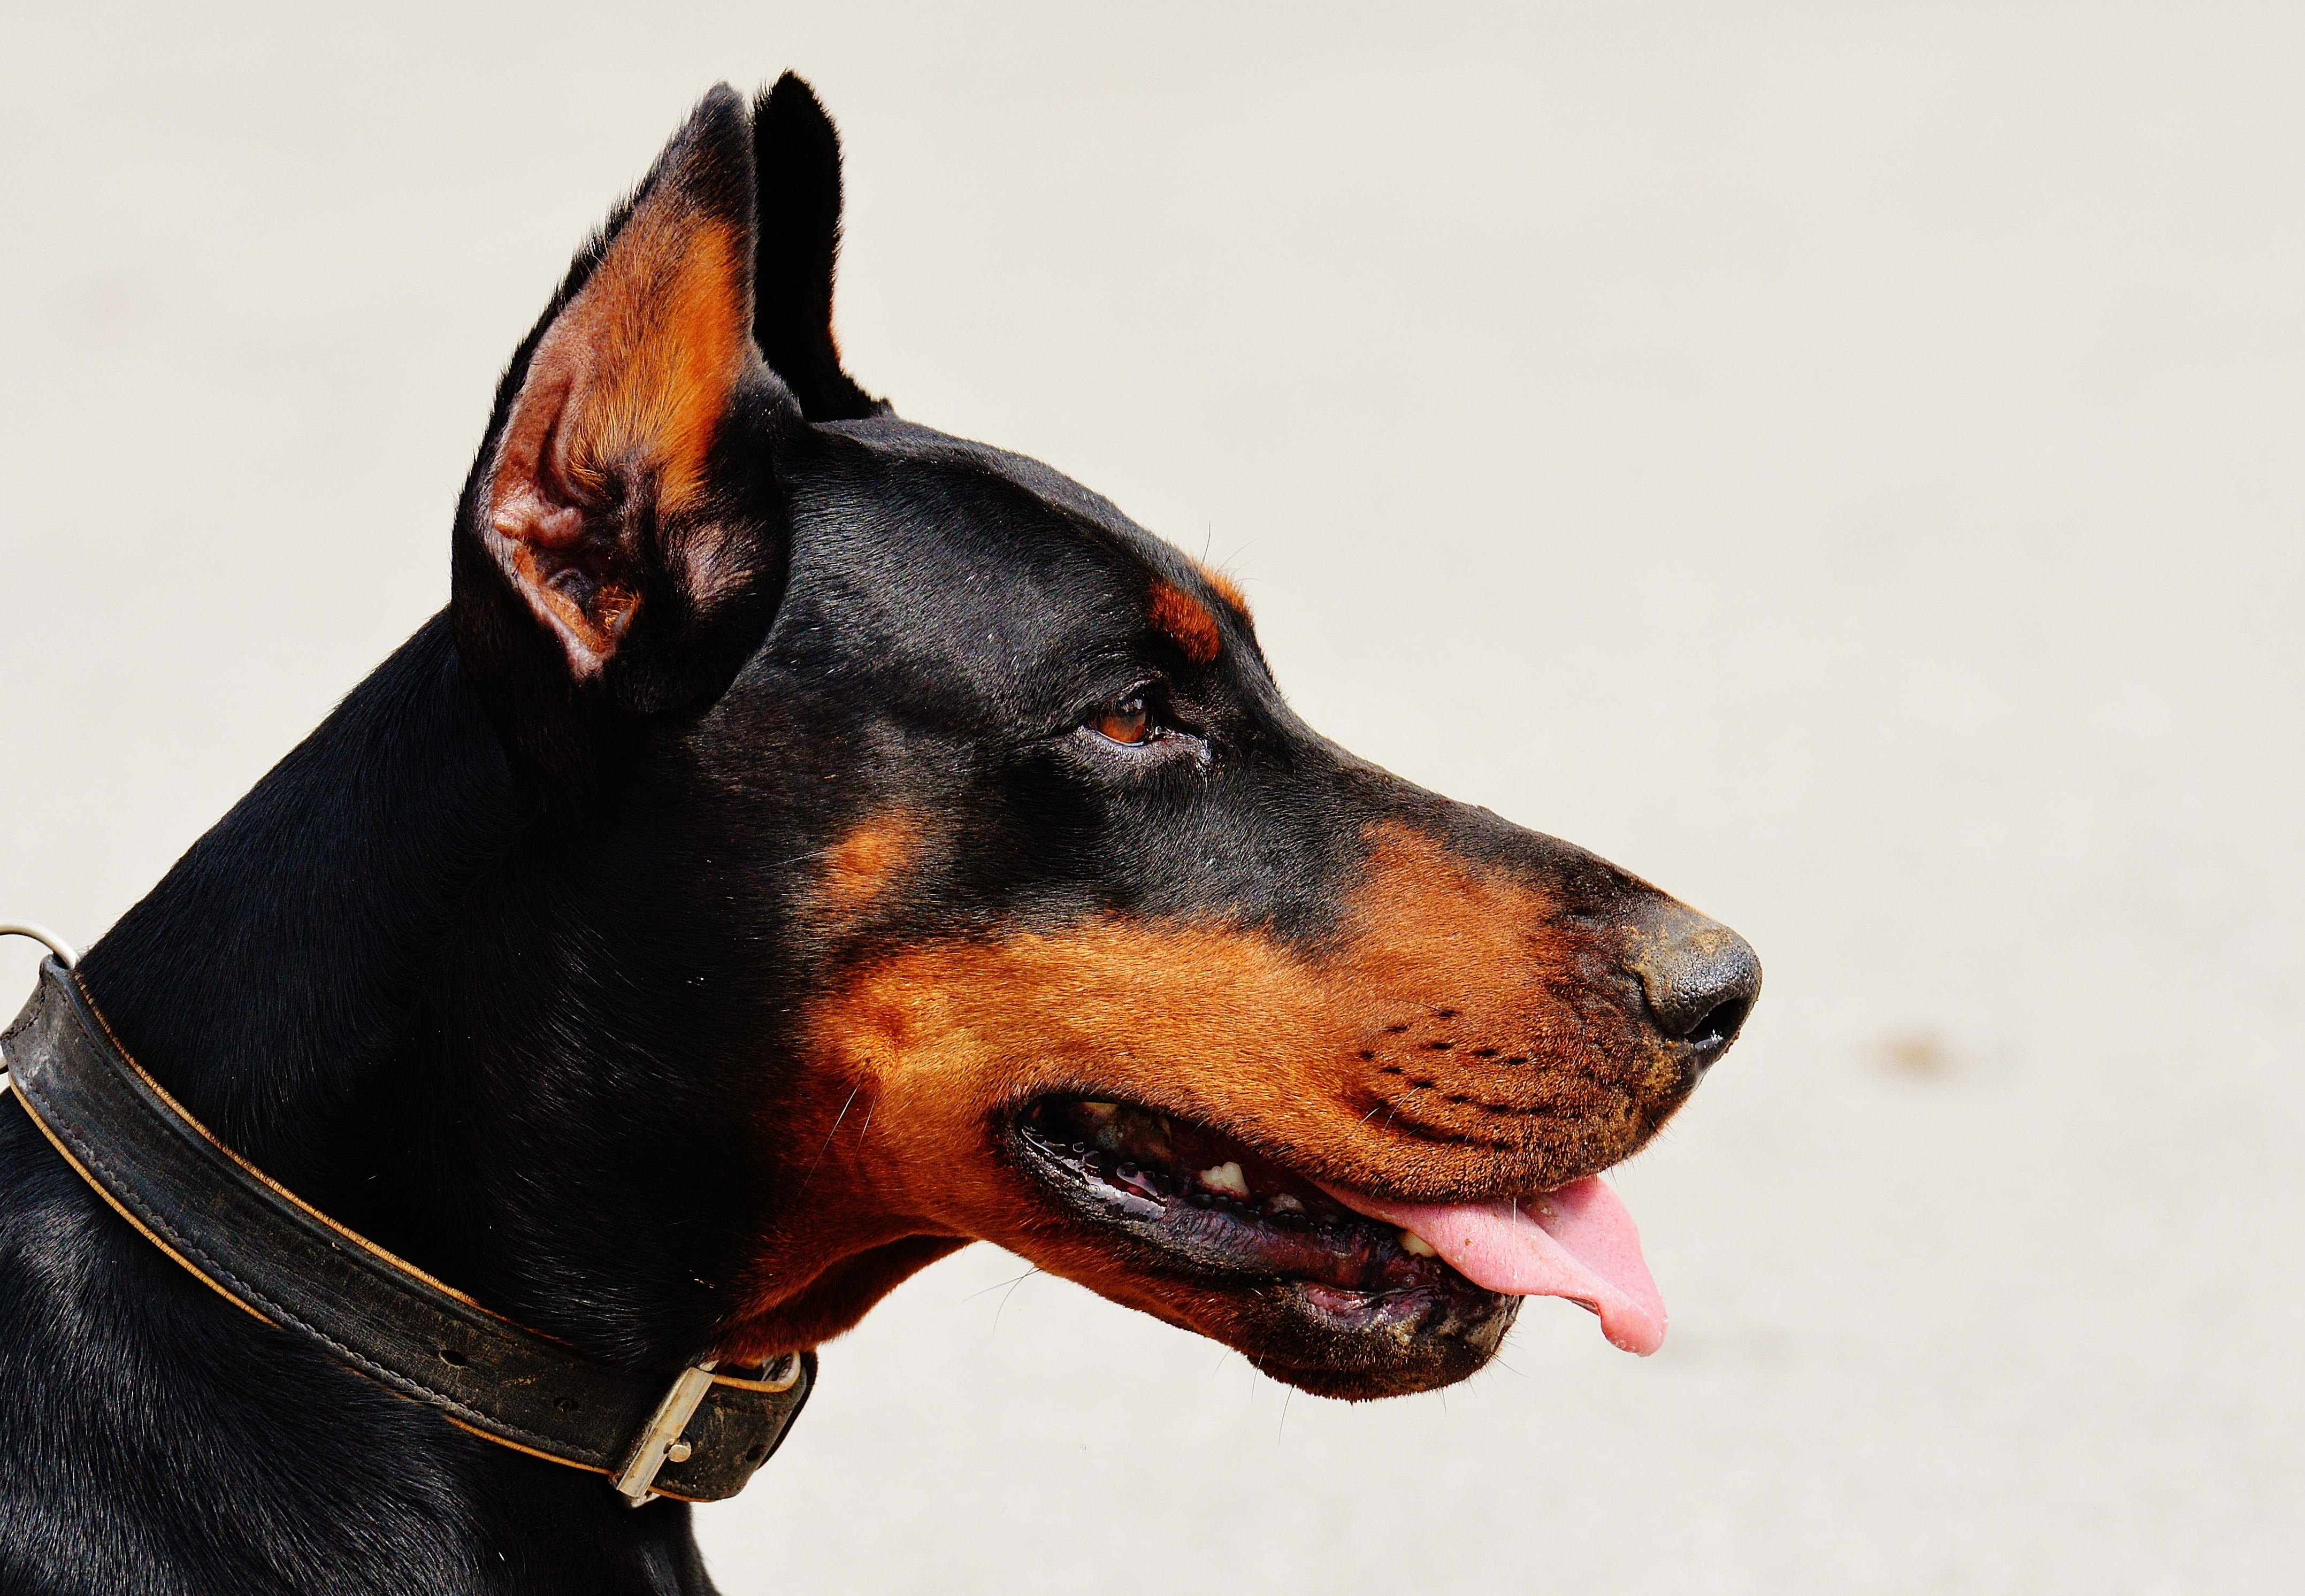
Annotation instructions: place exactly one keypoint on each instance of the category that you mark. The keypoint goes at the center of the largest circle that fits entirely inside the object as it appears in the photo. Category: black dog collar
(700, 1438)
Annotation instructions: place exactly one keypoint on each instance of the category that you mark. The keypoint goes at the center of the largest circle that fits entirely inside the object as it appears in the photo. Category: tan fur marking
(1186, 621)
(1226, 588)
(862, 864)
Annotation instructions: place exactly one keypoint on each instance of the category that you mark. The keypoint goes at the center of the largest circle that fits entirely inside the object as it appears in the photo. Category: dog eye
(1127, 722)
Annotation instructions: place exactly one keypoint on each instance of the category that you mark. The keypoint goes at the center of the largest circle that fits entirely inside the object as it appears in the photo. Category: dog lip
(1358, 1181)
(1178, 1186)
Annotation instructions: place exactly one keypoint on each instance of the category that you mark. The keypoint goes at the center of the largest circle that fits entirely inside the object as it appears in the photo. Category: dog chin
(1212, 1237)
(1358, 1346)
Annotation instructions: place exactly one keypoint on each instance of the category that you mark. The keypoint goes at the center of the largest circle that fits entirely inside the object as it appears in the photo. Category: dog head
(941, 840)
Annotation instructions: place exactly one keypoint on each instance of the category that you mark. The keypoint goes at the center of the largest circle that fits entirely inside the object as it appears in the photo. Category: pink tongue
(1576, 1243)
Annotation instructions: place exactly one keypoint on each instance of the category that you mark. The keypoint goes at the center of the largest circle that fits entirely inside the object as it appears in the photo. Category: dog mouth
(1352, 1262)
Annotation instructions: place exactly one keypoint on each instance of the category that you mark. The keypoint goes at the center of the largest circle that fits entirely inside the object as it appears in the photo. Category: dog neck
(291, 981)
(363, 980)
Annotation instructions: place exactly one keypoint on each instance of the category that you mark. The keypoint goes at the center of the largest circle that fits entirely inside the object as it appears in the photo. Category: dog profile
(807, 844)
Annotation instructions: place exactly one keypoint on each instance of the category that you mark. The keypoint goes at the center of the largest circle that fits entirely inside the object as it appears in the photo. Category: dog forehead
(991, 497)
(937, 551)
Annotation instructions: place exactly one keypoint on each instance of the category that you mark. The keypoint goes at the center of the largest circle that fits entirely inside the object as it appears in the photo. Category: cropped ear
(620, 542)
(796, 153)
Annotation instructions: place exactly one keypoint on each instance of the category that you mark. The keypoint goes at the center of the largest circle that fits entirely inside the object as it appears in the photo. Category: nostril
(1720, 1024)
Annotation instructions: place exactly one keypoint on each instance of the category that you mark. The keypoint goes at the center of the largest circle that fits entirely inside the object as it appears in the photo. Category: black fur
(798, 157)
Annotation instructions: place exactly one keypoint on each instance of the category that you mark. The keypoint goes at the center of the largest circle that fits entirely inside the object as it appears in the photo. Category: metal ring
(64, 951)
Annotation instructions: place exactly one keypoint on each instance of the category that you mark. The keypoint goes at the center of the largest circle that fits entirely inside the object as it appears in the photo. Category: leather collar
(697, 1434)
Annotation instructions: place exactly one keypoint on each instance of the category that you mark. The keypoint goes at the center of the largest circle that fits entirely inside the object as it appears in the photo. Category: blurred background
(1844, 462)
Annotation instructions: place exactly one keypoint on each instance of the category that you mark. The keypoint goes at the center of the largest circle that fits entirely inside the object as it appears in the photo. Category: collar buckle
(663, 1440)
(660, 1440)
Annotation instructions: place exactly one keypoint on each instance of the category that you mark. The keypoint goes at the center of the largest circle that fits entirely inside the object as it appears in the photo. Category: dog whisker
(1005, 1295)
(997, 1284)
(828, 1135)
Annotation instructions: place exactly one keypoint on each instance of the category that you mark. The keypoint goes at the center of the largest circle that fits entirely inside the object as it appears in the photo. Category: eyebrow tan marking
(1186, 621)
(1226, 588)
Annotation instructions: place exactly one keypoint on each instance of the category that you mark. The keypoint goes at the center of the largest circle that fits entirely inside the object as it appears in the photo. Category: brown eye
(1127, 722)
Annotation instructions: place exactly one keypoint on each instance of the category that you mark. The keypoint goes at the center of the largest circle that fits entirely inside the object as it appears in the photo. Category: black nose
(1699, 976)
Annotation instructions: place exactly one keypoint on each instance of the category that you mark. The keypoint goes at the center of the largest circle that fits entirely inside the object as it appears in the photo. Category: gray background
(1840, 461)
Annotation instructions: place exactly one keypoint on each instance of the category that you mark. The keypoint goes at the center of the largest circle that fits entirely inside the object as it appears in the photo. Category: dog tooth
(1286, 1205)
(1411, 1241)
(1226, 1178)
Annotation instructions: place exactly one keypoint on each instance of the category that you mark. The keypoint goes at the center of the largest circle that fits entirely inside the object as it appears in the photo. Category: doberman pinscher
(805, 843)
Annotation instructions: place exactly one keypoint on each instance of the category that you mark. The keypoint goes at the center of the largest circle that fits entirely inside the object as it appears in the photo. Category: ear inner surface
(604, 453)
